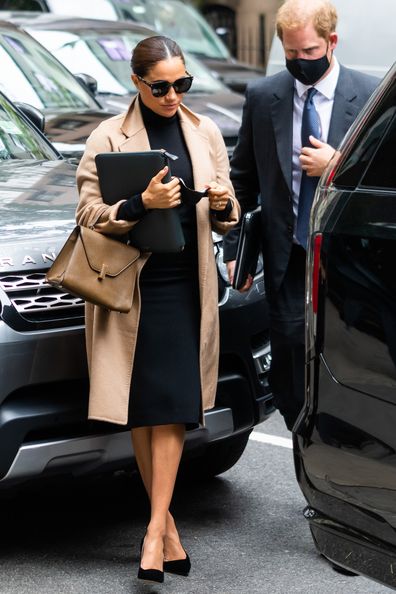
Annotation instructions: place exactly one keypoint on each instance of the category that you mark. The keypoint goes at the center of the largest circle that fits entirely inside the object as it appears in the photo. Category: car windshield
(178, 20)
(107, 58)
(18, 140)
(30, 74)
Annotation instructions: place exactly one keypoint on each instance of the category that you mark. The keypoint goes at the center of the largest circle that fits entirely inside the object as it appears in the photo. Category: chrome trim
(30, 293)
(262, 358)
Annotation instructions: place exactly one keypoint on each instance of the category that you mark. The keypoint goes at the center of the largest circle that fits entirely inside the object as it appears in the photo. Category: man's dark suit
(262, 166)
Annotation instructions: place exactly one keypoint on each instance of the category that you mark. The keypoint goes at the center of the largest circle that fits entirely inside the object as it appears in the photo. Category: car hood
(37, 211)
(235, 75)
(224, 108)
(69, 130)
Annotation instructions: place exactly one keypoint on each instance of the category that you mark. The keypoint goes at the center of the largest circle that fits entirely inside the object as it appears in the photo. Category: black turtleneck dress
(165, 386)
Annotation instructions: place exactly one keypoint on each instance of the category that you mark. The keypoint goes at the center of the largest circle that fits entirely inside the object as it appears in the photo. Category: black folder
(249, 246)
(121, 176)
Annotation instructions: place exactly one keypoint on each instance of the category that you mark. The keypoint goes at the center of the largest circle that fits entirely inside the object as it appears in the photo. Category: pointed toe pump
(153, 576)
(178, 566)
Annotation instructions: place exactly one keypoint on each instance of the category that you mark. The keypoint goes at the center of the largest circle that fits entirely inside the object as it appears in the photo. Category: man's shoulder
(359, 81)
(269, 84)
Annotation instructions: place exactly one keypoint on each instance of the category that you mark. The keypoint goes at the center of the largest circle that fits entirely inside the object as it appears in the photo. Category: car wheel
(217, 458)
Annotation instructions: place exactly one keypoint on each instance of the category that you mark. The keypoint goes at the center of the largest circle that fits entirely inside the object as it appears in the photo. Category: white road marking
(283, 442)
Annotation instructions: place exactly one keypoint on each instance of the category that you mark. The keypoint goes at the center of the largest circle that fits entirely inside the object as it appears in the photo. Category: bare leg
(141, 439)
(158, 450)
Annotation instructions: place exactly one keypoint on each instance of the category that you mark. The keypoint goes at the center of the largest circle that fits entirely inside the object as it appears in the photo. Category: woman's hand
(218, 196)
(159, 195)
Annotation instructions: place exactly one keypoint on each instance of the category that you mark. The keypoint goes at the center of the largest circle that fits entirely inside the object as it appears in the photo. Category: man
(292, 123)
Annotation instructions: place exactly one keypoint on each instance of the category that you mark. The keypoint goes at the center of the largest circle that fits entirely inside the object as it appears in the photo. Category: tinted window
(17, 139)
(368, 142)
(107, 58)
(22, 5)
(382, 170)
(32, 75)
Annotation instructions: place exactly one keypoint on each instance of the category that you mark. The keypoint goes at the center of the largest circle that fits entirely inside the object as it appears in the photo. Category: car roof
(52, 22)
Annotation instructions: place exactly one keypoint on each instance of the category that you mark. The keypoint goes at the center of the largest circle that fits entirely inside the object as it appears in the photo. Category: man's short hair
(295, 14)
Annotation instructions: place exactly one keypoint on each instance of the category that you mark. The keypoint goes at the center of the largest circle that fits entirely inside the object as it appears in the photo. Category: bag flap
(107, 256)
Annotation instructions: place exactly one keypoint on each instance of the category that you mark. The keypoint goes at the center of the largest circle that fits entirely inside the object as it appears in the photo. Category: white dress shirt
(323, 100)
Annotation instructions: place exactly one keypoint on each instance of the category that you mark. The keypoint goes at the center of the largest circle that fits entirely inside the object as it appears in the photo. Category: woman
(155, 368)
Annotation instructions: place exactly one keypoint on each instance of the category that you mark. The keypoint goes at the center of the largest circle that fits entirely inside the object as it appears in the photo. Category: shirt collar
(326, 86)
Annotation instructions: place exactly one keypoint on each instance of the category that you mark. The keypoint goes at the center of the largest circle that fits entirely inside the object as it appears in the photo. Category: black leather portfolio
(249, 246)
(121, 176)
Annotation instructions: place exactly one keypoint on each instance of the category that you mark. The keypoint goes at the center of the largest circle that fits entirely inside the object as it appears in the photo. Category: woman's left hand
(218, 196)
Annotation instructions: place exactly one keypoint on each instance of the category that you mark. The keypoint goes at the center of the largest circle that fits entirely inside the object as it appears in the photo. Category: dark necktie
(309, 126)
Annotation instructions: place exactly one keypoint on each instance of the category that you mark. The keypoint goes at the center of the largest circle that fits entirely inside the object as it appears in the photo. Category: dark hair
(152, 50)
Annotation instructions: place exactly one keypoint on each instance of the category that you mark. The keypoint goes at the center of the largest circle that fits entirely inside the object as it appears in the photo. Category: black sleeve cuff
(132, 210)
(222, 215)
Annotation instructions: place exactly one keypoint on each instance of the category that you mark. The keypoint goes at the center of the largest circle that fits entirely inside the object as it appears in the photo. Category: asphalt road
(245, 534)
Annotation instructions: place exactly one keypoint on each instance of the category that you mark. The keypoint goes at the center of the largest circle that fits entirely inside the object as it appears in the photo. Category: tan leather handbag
(97, 268)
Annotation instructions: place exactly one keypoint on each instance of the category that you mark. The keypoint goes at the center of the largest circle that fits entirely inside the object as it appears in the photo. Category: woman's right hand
(159, 195)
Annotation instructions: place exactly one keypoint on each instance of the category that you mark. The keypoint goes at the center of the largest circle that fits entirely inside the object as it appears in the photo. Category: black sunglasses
(161, 87)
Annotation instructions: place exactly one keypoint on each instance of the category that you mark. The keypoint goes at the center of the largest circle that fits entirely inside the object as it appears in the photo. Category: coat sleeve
(243, 175)
(223, 178)
(91, 210)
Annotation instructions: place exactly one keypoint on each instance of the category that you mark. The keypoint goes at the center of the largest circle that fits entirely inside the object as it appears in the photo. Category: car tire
(216, 459)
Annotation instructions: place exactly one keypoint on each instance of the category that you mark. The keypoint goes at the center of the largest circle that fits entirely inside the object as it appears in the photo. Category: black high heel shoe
(155, 576)
(178, 566)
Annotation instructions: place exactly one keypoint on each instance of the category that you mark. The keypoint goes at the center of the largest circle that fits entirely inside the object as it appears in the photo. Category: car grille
(33, 304)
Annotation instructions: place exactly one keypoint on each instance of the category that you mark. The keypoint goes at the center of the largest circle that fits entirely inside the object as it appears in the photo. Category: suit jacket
(261, 166)
(111, 336)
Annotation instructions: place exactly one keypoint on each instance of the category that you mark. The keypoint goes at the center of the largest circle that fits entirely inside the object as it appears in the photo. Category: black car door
(346, 452)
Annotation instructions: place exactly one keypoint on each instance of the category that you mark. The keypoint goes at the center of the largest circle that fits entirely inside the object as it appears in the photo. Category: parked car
(30, 74)
(174, 18)
(104, 50)
(345, 438)
(357, 20)
(43, 376)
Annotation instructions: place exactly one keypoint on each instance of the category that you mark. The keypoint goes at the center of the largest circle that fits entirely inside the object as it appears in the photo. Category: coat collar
(133, 121)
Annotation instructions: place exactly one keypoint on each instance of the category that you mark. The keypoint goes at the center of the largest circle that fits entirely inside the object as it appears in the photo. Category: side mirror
(88, 82)
(33, 114)
(224, 34)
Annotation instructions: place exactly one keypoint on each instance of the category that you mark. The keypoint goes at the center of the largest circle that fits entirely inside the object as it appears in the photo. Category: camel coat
(111, 336)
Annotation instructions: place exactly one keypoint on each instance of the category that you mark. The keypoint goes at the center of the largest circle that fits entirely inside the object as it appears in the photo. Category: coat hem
(107, 420)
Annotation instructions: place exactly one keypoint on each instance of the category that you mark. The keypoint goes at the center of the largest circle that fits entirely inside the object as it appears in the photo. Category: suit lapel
(344, 110)
(282, 121)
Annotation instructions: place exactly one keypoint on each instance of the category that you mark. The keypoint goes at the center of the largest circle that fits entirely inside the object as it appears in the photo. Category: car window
(100, 9)
(22, 5)
(382, 170)
(173, 18)
(369, 147)
(107, 58)
(17, 139)
(179, 21)
(31, 74)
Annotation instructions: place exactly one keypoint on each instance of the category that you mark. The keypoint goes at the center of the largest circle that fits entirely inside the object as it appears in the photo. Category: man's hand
(231, 269)
(315, 160)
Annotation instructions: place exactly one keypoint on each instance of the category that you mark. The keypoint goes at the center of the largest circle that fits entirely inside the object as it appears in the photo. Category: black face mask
(308, 72)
